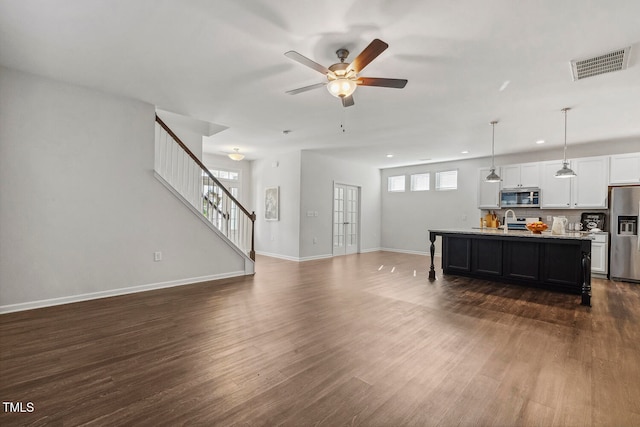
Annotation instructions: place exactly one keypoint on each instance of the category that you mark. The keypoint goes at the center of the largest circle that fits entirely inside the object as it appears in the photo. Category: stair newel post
(252, 253)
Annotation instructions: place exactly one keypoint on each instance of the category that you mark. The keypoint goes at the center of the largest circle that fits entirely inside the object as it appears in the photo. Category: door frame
(358, 216)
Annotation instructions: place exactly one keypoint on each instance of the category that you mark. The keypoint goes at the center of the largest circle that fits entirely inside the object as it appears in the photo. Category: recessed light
(540, 141)
(389, 156)
(465, 152)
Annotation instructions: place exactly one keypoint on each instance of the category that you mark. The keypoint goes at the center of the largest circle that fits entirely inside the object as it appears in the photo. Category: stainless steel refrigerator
(624, 212)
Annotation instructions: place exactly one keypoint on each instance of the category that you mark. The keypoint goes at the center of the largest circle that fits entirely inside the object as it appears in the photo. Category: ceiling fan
(342, 77)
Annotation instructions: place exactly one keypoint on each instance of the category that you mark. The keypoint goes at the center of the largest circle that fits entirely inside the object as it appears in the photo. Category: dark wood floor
(344, 341)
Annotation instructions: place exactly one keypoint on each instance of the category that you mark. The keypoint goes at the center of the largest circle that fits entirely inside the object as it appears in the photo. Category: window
(396, 183)
(447, 180)
(224, 174)
(420, 182)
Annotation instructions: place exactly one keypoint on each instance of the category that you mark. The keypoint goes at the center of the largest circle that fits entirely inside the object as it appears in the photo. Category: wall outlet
(157, 256)
(549, 218)
(315, 240)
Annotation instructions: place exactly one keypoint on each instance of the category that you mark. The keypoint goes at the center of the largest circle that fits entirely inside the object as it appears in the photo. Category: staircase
(183, 173)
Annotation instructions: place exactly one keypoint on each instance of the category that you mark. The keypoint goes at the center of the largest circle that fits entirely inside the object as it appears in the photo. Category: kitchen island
(556, 262)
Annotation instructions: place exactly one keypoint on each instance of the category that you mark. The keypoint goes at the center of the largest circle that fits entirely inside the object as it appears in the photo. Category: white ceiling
(223, 62)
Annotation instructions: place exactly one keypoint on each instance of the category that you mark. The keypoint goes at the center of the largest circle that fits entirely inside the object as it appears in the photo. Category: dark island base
(556, 264)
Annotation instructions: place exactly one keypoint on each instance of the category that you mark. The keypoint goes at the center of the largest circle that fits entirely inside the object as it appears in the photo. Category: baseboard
(307, 258)
(279, 256)
(292, 258)
(406, 251)
(314, 257)
(113, 292)
(364, 251)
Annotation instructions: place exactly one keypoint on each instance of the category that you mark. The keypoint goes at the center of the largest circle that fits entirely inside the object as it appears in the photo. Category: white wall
(278, 238)
(407, 216)
(319, 173)
(81, 213)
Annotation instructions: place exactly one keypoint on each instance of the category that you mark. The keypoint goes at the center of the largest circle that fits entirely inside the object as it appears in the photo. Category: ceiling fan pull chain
(343, 125)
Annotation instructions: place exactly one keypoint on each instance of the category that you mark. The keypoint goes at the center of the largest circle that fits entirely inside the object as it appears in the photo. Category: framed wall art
(271, 203)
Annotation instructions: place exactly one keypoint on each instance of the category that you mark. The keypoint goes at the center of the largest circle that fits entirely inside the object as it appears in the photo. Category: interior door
(346, 219)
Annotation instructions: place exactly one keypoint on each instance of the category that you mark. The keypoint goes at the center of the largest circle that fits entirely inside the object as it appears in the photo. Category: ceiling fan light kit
(341, 87)
(342, 77)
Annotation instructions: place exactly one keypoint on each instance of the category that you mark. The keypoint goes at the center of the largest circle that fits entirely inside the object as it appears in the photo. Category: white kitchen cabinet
(599, 264)
(590, 186)
(526, 175)
(488, 192)
(510, 176)
(588, 190)
(625, 169)
(555, 193)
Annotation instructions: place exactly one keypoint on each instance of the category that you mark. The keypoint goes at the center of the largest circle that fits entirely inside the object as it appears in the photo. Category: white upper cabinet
(511, 176)
(488, 192)
(589, 187)
(588, 190)
(525, 175)
(555, 193)
(625, 169)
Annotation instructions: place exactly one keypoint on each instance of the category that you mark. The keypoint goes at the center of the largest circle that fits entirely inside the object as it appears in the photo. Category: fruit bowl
(537, 227)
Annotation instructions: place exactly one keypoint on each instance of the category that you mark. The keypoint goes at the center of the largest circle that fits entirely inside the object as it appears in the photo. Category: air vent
(612, 61)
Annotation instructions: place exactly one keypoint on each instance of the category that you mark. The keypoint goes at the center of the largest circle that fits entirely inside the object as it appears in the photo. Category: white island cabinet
(625, 169)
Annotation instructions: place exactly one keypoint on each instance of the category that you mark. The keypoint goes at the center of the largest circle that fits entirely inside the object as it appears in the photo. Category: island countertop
(512, 233)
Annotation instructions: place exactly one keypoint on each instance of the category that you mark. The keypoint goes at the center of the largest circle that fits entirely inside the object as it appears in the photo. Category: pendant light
(236, 155)
(565, 172)
(493, 176)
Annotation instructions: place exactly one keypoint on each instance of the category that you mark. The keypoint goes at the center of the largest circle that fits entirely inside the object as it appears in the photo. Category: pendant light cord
(565, 133)
(493, 139)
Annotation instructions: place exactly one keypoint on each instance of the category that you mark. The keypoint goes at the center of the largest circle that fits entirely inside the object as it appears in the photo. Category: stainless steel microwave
(520, 198)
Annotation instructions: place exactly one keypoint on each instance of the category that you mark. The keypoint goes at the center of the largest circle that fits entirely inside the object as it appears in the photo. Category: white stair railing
(179, 167)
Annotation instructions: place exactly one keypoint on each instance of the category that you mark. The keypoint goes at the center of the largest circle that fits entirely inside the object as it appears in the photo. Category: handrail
(199, 163)
(235, 231)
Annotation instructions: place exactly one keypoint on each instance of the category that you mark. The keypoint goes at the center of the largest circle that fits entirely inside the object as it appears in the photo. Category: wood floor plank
(334, 342)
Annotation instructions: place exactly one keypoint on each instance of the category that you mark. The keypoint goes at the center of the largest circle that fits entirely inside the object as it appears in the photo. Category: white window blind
(420, 182)
(447, 180)
(396, 183)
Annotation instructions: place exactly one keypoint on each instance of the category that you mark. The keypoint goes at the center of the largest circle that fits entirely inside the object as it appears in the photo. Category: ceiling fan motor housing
(339, 70)
(342, 54)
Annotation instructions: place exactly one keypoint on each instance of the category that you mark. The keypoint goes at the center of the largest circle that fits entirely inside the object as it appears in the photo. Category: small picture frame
(271, 203)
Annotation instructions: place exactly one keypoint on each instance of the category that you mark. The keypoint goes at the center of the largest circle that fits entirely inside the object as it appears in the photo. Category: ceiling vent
(589, 67)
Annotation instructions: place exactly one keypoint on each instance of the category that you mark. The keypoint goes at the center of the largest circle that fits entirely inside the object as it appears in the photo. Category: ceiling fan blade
(376, 81)
(347, 101)
(292, 54)
(371, 52)
(304, 89)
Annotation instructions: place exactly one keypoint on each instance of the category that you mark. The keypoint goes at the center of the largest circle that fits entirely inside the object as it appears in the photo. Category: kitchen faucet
(506, 215)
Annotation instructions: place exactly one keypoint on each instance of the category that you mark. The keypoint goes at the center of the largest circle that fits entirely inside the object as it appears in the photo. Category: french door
(346, 219)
